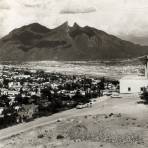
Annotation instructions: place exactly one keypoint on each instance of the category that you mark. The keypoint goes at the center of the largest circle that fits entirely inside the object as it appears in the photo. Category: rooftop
(134, 77)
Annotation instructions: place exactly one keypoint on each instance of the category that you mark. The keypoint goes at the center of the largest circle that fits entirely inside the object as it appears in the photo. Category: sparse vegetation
(60, 137)
(40, 136)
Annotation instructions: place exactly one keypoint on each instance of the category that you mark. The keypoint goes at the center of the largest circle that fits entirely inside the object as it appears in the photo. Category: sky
(124, 18)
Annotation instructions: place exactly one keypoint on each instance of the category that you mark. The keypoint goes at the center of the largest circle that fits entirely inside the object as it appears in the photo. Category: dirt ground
(110, 123)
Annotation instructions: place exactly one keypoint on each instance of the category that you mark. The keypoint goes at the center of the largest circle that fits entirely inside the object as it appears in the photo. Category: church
(134, 83)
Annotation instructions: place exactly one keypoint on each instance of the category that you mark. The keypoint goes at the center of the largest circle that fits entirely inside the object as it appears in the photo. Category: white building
(21, 76)
(133, 83)
(14, 85)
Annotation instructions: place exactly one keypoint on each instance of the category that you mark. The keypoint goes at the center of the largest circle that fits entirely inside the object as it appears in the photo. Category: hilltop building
(134, 83)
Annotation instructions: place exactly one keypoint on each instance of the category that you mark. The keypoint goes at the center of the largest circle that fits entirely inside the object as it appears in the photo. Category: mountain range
(35, 42)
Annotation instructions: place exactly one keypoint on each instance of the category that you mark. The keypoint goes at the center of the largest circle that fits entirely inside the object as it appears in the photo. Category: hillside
(107, 124)
(36, 42)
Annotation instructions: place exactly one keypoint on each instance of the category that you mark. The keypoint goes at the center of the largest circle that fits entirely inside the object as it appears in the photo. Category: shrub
(60, 136)
(40, 136)
(144, 96)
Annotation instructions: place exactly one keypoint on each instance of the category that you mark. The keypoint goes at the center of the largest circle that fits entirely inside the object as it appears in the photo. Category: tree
(101, 84)
(5, 83)
(144, 95)
(5, 100)
(46, 93)
(79, 98)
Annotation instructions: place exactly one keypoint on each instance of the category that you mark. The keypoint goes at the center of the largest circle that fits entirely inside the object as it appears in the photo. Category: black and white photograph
(73, 74)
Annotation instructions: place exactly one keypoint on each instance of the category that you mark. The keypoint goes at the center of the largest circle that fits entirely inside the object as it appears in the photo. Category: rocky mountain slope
(36, 42)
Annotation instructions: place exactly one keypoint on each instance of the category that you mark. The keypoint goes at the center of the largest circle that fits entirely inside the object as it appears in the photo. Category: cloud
(78, 10)
(4, 5)
(33, 3)
(32, 6)
(77, 7)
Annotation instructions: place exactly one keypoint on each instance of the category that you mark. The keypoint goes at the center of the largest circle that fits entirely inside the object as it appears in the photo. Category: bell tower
(146, 67)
